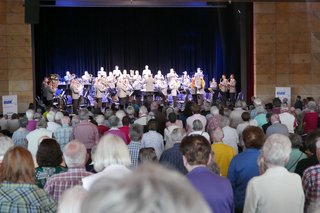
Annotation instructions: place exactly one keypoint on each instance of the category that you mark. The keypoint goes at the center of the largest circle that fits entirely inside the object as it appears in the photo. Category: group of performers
(120, 86)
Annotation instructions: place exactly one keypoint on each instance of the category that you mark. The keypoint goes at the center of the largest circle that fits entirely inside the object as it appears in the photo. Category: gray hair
(75, 154)
(276, 150)
(178, 134)
(257, 102)
(214, 110)
(42, 123)
(311, 105)
(50, 116)
(100, 119)
(136, 132)
(130, 110)
(161, 190)
(5, 144)
(114, 121)
(296, 140)
(71, 200)
(238, 104)
(111, 150)
(108, 113)
(65, 120)
(23, 122)
(59, 115)
(197, 125)
(260, 109)
(29, 114)
(75, 120)
(84, 114)
(217, 135)
(225, 121)
(143, 110)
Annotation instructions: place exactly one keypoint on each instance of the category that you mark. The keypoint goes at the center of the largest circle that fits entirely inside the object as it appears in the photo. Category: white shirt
(115, 171)
(204, 134)
(289, 120)
(52, 126)
(196, 117)
(3, 123)
(167, 135)
(153, 139)
(231, 137)
(277, 190)
(33, 139)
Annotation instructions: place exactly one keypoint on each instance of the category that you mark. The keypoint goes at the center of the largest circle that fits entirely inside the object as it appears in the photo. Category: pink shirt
(87, 133)
(32, 125)
(311, 121)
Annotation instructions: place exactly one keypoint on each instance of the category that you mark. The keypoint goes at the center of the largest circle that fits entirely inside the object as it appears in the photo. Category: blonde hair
(111, 150)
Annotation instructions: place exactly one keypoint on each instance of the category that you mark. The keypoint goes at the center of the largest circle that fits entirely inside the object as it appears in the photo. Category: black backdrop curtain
(79, 39)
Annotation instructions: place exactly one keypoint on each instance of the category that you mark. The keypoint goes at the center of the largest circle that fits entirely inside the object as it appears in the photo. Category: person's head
(276, 102)
(257, 102)
(147, 155)
(161, 190)
(178, 134)
(143, 111)
(195, 150)
(71, 200)
(100, 119)
(172, 117)
(284, 107)
(311, 105)
(260, 109)
(130, 111)
(84, 114)
(5, 144)
(253, 137)
(75, 120)
(311, 140)
(50, 116)
(195, 108)
(245, 116)
(41, 123)
(268, 116)
(111, 150)
(152, 125)
(126, 121)
(75, 154)
(65, 120)
(58, 116)
(154, 106)
(29, 114)
(23, 122)
(120, 114)
(296, 140)
(113, 121)
(217, 135)
(136, 132)
(214, 110)
(197, 125)
(14, 116)
(49, 153)
(274, 118)
(17, 166)
(276, 150)
(225, 121)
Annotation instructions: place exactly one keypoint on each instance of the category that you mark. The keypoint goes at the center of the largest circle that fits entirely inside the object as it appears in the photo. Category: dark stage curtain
(79, 39)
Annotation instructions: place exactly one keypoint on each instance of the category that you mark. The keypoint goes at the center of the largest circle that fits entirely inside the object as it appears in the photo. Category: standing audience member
(86, 132)
(296, 155)
(277, 127)
(136, 132)
(13, 123)
(159, 116)
(152, 138)
(163, 191)
(266, 125)
(311, 186)
(111, 159)
(172, 117)
(19, 137)
(3, 122)
(114, 130)
(63, 133)
(196, 116)
(261, 116)
(216, 190)
(235, 115)
(125, 128)
(18, 192)
(51, 124)
(32, 124)
(287, 119)
(49, 160)
(310, 118)
(75, 157)
(223, 153)
(172, 157)
(312, 159)
(102, 128)
(197, 129)
(244, 165)
(277, 190)
(231, 136)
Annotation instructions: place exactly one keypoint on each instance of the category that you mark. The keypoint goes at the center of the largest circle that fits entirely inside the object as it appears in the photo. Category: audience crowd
(246, 157)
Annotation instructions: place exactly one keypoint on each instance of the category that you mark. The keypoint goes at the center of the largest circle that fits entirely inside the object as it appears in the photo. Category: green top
(43, 173)
(295, 156)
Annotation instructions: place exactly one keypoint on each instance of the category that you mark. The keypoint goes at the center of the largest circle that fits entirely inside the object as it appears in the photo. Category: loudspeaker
(32, 8)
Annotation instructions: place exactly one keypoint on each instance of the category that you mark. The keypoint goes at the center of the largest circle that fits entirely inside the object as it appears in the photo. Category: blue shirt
(242, 168)
(134, 148)
(216, 190)
(173, 158)
(63, 135)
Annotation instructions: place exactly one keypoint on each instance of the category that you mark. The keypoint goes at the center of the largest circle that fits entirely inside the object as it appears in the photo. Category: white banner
(282, 93)
(9, 104)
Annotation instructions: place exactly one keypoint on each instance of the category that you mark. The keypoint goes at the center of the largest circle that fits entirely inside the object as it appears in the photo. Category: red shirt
(311, 121)
(102, 129)
(126, 130)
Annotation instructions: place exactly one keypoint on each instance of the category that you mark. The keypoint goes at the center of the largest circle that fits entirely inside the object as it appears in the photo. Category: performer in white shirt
(68, 77)
(76, 91)
(86, 77)
(116, 72)
(146, 72)
(224, 88)
(111, 86)
(137, 84)
(198, 85)
(149, 87)
(99, 89)
(214, 90)
(102, 73)
(122, 91)
(232, 88)
(185, 81)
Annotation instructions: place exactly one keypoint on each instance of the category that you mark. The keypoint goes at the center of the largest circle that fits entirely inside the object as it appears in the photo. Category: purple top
(216, 190)
(32, 125)
(87, 133)
(117, 132)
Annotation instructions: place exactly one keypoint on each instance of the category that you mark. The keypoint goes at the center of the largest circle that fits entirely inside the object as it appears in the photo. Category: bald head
(75, 154)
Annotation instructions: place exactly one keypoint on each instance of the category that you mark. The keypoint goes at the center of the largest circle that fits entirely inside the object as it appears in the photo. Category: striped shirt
(28, 198)
(311, 184)
(63, 135)
(134, 148)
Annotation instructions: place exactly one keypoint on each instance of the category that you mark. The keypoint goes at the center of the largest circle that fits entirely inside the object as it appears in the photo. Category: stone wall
(287, 48)
(15, 54)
